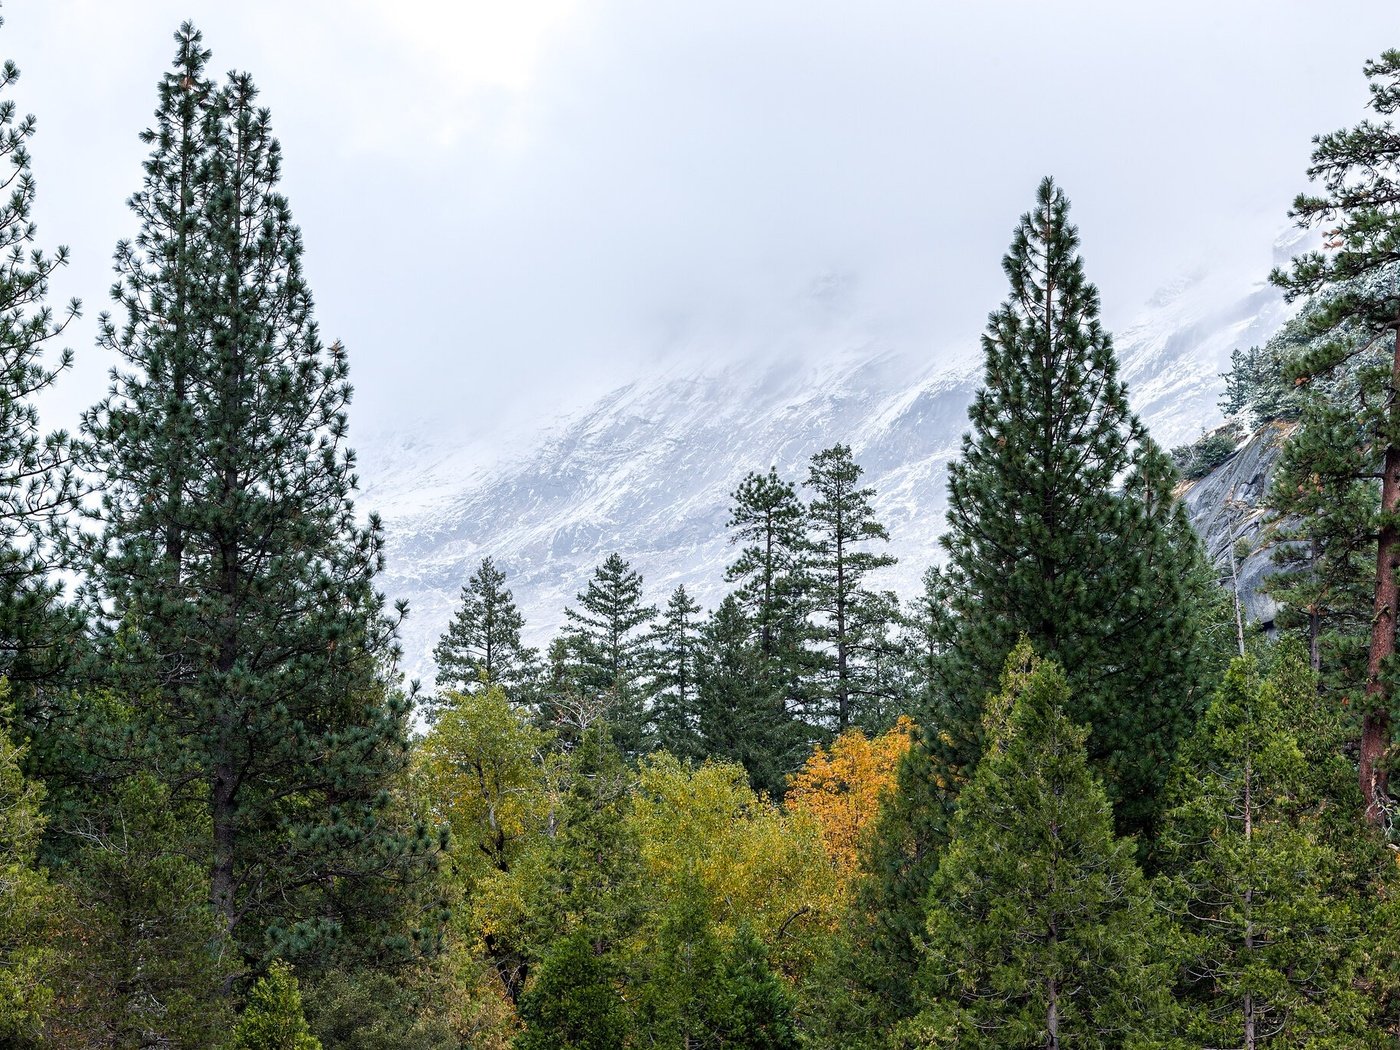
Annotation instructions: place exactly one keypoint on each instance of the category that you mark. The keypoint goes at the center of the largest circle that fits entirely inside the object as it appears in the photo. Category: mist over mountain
(647, 469)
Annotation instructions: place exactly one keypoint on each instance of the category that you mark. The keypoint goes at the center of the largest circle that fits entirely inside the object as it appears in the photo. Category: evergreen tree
(768, 522)
(482, 643)
(853, 619)
(672, 656)
(929, 629)
(37, 483)
(1271, 937)
(143, 952)
(741, 717)
(678, 986)
(1042, 540)
(1041, 931)
(592, 879)
(575, 1001)
(231, 575)
(1357, 305)
(754, 1008)
(607, 635)
(273, 1018)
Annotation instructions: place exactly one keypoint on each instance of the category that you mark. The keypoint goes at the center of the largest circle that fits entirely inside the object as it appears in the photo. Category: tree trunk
(1375, 725)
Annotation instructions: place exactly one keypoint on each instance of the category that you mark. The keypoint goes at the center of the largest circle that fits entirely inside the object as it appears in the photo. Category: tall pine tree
(673, 655)
(1358, 304)
(482, 643)
(1045, 538)
(231, 572)
(37, 483)
(607, 635)
(853, 620)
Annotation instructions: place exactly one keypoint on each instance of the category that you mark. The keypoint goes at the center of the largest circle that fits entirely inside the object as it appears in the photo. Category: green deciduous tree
(26, 899)
(484, 772)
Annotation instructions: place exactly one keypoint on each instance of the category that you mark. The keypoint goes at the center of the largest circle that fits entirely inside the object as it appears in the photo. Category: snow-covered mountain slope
(647, 470)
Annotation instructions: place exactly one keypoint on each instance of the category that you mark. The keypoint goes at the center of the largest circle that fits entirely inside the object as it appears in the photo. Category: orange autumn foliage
(840, 788)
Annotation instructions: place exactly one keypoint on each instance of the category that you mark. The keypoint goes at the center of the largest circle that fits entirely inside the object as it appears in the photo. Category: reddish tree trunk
(1375, 725)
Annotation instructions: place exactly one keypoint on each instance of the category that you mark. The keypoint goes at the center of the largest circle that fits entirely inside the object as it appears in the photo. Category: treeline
(1062, 799)
(801, 649)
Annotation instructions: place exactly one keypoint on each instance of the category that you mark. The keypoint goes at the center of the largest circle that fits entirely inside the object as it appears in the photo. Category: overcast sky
(510, 205)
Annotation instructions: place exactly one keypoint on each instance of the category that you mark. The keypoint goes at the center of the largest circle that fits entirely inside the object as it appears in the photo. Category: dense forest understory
(1067, 796)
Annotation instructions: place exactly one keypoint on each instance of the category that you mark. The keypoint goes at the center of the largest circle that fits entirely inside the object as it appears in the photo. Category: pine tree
(273, 1018)
(841, 526)
(1357, 304)
(482, 643)
(741, 717)
(37, 483)
(1041, 931)
(1042, 540)
(769, 521)
(1270, 936)
(230, 573)
(143, 952)
(607, 635)
(673, 647)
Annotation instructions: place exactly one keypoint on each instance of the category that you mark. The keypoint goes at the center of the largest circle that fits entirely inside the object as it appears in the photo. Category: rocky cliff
(1227, 509)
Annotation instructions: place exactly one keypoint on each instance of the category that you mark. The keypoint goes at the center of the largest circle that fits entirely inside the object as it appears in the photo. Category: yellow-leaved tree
(840, 787)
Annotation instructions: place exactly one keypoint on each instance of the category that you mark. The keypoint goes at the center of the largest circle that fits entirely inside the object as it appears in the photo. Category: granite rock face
(1227, 506)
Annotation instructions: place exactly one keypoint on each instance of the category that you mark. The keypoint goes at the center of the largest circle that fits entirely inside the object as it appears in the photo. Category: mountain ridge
(647, 469)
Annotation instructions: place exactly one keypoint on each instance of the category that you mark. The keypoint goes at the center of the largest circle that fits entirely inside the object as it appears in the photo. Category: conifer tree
(230, 570)
(1272, 937)
(482, 643)
(673, 655)
(143, 952)
(741, 717)
(1042, 540)
(575, 1002)
(853, 619)
(607, 635)
(594, 865)
(273, 1018)
(754, 1008)
(1041, 931)
(766, 516)
(1356, 302)
(768, 522)
(37, 483)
